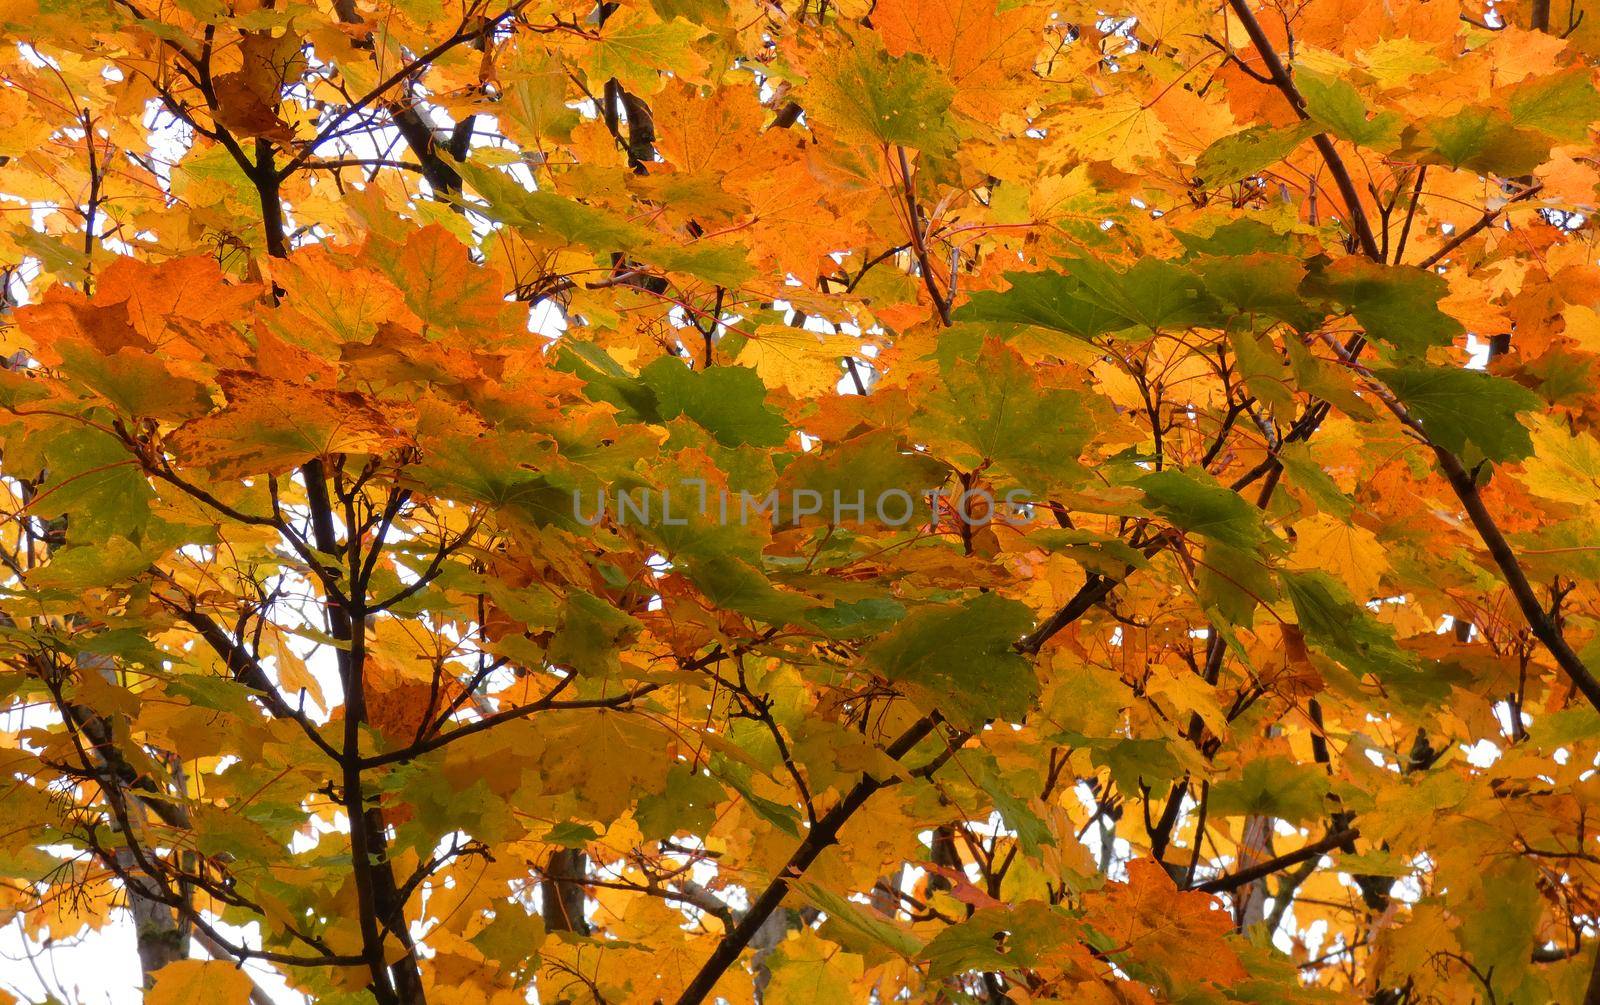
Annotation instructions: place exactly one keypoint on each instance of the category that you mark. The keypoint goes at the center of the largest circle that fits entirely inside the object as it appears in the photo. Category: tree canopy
(822, 501)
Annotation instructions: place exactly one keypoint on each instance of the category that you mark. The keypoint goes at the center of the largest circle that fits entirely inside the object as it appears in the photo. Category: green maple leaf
(964, 657)
(728, 401)
(1459, 407)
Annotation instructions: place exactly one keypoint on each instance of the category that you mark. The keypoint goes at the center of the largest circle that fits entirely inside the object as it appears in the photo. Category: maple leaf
(994, 409)
(270, 426)
(964, 656)
(1458, 407)
(1561, 466)
(984, 47)
(1121, 129)
(795, 359)
(1149, 921)
(188, 980)
(806, 969)
(634, 50)
(868, 94)
(443, 287)
(1349, 551)
(243, 109)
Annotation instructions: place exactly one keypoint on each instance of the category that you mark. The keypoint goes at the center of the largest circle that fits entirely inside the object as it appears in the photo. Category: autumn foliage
(327, 323)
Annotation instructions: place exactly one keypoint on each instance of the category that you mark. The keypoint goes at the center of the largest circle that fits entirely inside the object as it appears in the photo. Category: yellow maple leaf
(189, 981)
(804, 362)
(1119, 128)
(1563, 467)
(1348, 551)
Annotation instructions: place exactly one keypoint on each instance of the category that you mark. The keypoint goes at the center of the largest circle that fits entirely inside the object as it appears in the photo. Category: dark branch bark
(1279, 73)
(1539, 15)
(817, 840)
(1464, 484)
(247, 671)
(483, 28)
(1591, 994)
(1095, 589)
(914, 229)
(1544, 627)
(1261, 870)
(1484, 221)
(561, 892)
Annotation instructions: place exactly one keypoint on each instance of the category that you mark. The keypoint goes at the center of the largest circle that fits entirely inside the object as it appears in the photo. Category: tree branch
(1261, 870)
(817, 840)
(1280, 76)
